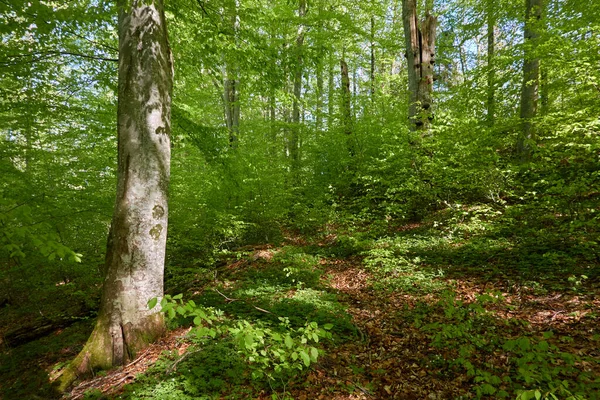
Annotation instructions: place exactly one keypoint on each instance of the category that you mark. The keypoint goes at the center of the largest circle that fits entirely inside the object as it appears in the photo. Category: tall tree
(491, 71)
(298, 71)
(531, 75)
(134, 266)
(346, 99)
(231, 82)
(420, 54)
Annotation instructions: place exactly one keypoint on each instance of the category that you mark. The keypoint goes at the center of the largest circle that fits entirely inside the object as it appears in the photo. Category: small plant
(275, 353)
(279, 354)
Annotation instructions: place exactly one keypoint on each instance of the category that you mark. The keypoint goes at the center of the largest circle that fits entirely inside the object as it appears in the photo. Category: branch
(229, 300)
(56, 54)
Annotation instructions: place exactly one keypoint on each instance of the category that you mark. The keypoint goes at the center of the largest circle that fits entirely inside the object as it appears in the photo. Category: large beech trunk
(531, 74)
(420, 54)
(135, 256)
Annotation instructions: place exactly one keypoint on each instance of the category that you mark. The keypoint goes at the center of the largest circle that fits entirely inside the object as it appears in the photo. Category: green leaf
(248, 341)
(314, 354)
(305, 357)
(152, 302)
(288, 341)
(327, 326)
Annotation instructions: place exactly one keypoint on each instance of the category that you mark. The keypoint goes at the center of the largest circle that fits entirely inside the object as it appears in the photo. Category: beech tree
(531, 75)
(134, 267)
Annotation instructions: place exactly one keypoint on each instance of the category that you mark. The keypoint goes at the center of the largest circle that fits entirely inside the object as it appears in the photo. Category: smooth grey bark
(319, 73)
(134, 266)
(531, 74)
(319, 110)
(491, 71)
(231, 83)
(420, 54)
(331, 96)
(298, 71)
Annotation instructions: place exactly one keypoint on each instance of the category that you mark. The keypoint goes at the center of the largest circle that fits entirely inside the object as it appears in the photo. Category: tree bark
(531, 73)
(298, 70)
(231, 82)
(134, 266)
(420, 49)
(331, 96)
(372, 71)
(491, 72)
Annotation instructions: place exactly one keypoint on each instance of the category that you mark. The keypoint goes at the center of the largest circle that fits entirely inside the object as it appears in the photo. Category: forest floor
(422, 313)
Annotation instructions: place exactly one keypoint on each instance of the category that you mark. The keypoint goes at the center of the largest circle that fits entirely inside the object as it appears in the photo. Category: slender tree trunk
(231, 81)
(531, 73)
(420, 46)
(346, 105)
(135, 256)
(298, 70)
(319, 110)
(330, 97)
(320, 56)
(491, 71)
(372, 71)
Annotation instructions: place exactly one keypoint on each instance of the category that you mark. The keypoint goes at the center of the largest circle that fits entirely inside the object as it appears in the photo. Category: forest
(300, 199)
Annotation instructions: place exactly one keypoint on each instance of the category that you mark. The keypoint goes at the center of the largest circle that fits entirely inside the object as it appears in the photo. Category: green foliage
(535, 367)
(395, 267)
(272, 354)
(279, 354)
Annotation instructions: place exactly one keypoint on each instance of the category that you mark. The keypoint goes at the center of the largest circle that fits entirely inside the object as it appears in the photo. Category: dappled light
(299, 200)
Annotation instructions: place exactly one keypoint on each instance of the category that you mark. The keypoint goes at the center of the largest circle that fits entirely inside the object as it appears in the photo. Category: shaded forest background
(274, 146)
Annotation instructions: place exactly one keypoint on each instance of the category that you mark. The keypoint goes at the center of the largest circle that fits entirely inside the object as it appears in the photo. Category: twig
(261, 309)
(362, 389)
(180, 359)
(229, 300)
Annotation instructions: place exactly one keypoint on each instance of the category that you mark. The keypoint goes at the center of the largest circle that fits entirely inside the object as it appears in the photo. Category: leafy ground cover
(471, 302)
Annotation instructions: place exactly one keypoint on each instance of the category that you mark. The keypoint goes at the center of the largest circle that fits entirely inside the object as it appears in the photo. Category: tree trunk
(320, 56)
(330, 96)
(346, 106)
(491, 72)
(420, 48)
(531, 72)
(294, 143)
(232, 107)
(372, 71)
(135, 256)
(231, 82)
